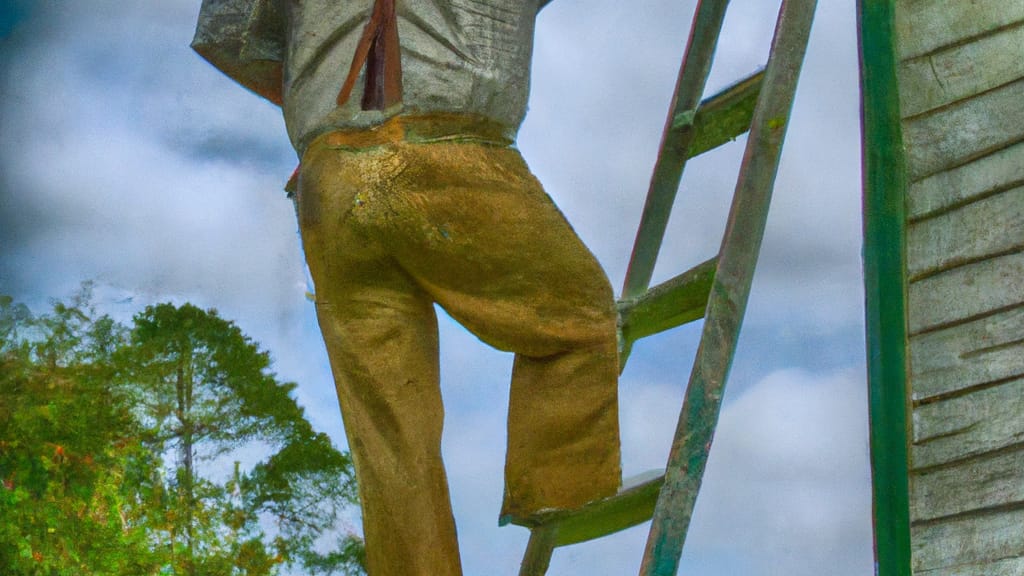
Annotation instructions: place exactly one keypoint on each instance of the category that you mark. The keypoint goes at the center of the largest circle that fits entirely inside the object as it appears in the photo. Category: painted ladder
(716, 290)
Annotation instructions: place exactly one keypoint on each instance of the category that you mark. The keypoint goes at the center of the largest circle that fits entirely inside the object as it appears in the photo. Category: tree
(206, 391)
(116, 449)
(69, 448)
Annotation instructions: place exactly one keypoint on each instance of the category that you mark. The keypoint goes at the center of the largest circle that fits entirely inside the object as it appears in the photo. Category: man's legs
(381, 335)
(387, 230)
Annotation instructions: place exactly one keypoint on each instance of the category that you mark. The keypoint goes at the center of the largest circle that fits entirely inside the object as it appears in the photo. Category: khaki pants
(389, 230)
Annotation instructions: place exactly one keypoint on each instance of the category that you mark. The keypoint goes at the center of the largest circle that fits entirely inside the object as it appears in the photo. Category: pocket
(326, 183)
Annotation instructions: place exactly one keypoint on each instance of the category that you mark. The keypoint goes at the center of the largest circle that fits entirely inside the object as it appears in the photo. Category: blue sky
(127, 160)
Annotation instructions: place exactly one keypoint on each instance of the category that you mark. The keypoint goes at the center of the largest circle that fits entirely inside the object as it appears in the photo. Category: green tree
(116, 450)
(206, 393)
(69, 447)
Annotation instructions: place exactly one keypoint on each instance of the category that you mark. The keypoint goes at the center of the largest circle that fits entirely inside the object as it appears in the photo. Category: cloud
(786, 489)
(112, 171)
(121, 83)
(787, 481)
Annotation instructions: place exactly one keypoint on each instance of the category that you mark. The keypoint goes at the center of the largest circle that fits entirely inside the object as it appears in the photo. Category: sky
(126, 160)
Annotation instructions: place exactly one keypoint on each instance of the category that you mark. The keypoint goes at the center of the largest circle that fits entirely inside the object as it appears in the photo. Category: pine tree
(121, 449)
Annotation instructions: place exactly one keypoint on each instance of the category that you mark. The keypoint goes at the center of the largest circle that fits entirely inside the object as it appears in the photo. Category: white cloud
(787, 481)
(786, 488)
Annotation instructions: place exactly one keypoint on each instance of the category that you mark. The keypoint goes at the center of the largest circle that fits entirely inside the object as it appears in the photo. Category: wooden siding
(925, 26)
(961, 77)
(984, 124)
(971, 234)
(960, 71)
(953, 188)
(969, 355)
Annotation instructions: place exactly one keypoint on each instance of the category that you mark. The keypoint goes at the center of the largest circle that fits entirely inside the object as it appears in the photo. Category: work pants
(389, 230)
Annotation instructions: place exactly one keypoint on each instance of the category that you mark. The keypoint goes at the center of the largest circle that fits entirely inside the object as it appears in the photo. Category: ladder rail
(675, 141)
(538, 551)
(729, 294)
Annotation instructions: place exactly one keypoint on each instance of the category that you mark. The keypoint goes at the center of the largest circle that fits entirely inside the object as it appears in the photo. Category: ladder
(715, 290)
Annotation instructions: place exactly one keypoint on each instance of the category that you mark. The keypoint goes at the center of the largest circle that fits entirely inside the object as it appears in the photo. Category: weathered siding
(961, 80)
(952, 188)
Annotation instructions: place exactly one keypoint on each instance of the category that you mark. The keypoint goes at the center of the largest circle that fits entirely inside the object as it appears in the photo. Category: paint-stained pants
(388, 231)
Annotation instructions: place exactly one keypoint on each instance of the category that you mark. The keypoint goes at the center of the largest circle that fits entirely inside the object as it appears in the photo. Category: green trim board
(884, 284)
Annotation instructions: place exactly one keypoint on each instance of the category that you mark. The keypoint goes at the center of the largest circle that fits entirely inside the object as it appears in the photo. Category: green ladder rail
(716, 290)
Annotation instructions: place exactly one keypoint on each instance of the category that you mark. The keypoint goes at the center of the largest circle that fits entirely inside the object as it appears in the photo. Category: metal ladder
(715, 290)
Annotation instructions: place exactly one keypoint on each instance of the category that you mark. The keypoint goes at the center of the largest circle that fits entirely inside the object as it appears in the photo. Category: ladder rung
(672, 303)
(633, 505)
(726, 115)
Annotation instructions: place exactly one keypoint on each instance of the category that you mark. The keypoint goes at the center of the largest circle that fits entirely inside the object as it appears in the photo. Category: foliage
(117, 443)
(70, 453)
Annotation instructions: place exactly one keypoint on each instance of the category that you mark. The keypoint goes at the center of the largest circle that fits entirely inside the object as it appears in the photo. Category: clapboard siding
(988, 227)
(987, 175)
(984, 124)
(960, 71)
(975, 539)
(979, 484)
(923, 26)
(1002, 567)
(966, 292)
(961, 88)
(986, 350)
(981, 422)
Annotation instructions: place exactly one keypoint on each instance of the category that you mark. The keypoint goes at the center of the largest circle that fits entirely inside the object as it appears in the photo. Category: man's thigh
(479, 234)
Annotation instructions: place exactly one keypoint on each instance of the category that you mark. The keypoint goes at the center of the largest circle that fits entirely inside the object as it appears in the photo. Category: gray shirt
(463, 56)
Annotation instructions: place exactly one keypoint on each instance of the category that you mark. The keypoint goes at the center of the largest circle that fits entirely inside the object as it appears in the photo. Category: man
(410, 193)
